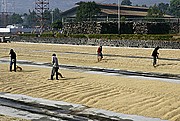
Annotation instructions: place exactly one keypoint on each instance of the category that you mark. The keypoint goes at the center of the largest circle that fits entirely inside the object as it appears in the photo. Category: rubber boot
(51, 77)
(15, 66)
(11, 68)
(57, 76)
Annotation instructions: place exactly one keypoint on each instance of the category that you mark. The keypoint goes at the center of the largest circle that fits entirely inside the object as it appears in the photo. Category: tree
(31, 19)
(175, 7)
(163, 7)
(57, 25)
(56, 14)
(47, 17)
(154, 12)
(16, 19)
(144, 5)
(126, 2)
(87, 10)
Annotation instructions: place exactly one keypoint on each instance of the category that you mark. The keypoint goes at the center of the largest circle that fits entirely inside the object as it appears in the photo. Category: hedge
(108, 36)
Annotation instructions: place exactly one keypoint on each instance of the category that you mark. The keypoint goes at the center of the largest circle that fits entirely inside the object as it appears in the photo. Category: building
(110, 11)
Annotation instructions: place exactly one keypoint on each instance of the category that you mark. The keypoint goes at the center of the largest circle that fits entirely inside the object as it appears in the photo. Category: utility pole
(179, 20)
(52, 16)
(119, 18)
(4, 13)
(7, 8)
(179, 25)
(40, 7)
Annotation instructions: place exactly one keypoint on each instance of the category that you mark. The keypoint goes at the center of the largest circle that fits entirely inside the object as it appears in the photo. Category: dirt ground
(8, 118)
(145, 97)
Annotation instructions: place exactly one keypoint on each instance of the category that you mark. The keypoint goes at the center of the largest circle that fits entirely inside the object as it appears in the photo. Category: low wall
(103, 42)
(125, 28)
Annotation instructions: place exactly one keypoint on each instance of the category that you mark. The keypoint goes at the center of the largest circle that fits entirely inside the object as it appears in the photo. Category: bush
(77, 35)
(28, 35)
(107, 36)
(158, 28)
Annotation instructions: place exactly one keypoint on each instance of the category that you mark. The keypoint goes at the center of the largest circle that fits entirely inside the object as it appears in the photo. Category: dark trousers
(13, 61)
(154, 60)
(54, 70)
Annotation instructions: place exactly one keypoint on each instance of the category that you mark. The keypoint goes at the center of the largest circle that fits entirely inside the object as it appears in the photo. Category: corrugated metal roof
(125, 6)
(124, 12)
(111, 9)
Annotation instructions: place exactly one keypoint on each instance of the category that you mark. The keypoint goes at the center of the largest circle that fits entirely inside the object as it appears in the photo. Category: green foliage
(56, 14)
(47, 17)
(157, 11)
(87, 11)
(126, 28)
(47, 35)
(154, 12)
(163, 7)
(15, 19)
(158, 28)
(144, 5)
(77, 35)
(175, 7)
(126, 2)
(28, 35)
(162, 37)
(112, 28)
(123, 19)
(57, 25)
(59, 35)
(31, 19)
(130, 36)
(98, 36)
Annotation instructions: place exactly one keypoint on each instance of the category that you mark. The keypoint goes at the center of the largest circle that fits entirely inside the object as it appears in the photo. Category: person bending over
(155, 55)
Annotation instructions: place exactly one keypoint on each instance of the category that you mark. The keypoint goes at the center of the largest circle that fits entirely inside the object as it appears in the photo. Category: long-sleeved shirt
(55, 61)
(13, 55)
(155, 53)
(99, 49)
